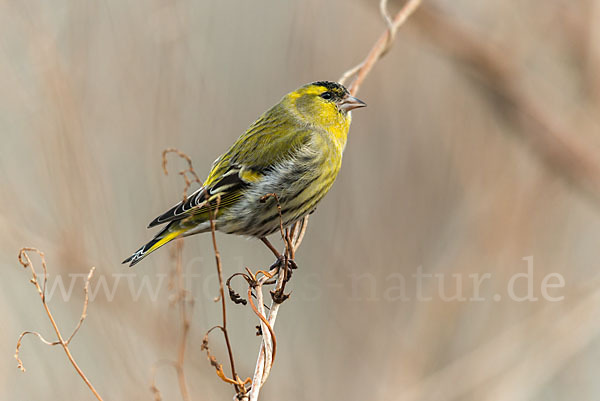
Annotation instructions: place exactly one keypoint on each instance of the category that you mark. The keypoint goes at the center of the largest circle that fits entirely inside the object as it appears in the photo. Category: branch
(25, 261)
(239, 384)
(381, 46)
(266, 355)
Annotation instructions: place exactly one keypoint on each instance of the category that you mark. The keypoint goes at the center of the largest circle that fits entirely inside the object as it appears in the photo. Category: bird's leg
(279, 256)
(290, 265)
(271, 247)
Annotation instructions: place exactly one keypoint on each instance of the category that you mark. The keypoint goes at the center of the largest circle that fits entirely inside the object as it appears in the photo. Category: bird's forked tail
(168, 234)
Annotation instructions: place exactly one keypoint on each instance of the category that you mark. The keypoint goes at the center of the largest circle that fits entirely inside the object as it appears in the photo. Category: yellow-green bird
(293, 150)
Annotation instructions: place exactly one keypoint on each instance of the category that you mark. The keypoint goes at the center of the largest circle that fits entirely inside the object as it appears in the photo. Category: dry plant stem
(300, 238)
(264, 355)
(83, 315)
(267, 349)
(222, 290)
(181, 295)
(290, 244)
(184, 173)
(26, 262)
(381, 46)
(261, 315)
(266, 352)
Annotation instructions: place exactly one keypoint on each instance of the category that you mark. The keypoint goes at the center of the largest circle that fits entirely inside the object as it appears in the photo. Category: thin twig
(212, 216)
(265, 358)
(26, 262)
(267, 351)
(180, 296)
(184, 173)
(381, 46)
(86, 289)
(302, 231)
(261, 316)
(238, 383)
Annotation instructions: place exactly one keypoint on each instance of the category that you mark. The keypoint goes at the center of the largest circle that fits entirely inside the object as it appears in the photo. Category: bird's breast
(300, 183)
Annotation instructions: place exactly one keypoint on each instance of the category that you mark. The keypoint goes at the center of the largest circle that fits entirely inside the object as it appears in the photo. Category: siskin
(293, 150)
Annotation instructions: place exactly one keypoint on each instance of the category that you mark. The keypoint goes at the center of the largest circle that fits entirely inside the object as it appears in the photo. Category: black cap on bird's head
(338, 90)
(340, 95)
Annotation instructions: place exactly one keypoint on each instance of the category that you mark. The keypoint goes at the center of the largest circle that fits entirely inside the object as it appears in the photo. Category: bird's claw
(279, 296)
(291, 263)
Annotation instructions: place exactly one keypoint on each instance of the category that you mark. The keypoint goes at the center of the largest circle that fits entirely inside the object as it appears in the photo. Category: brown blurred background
(479, 148)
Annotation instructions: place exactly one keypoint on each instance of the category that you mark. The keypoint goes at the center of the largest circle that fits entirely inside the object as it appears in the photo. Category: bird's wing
(269, 141)
(273, 138)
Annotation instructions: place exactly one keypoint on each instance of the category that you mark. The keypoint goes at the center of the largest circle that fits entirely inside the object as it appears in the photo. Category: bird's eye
(327, 95)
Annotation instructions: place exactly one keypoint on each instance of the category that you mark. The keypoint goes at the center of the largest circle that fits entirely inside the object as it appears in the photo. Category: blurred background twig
(564, 151)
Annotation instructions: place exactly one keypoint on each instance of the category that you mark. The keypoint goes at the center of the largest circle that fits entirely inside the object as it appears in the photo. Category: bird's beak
(351, 103)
